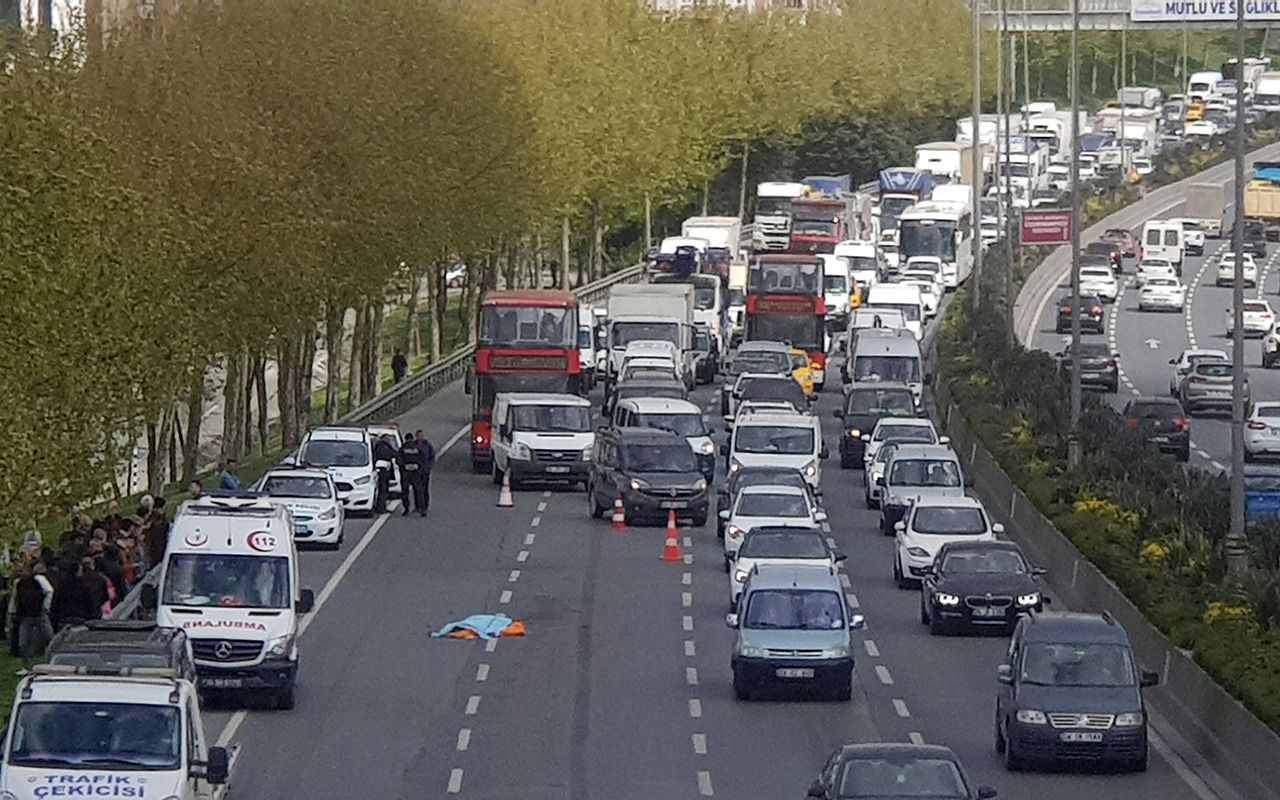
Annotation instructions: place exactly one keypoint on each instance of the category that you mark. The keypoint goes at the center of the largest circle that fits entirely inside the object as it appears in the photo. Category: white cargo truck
(651, 312)
(1266, 92)
(720, 233)
(1206, 205)
(771, 228)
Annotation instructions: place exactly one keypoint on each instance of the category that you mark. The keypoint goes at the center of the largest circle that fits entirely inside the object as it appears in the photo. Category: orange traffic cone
(505, 500)
(619, 523)
(671, 550)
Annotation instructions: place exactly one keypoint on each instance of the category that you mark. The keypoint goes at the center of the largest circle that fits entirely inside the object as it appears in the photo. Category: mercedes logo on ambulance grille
(222, 650)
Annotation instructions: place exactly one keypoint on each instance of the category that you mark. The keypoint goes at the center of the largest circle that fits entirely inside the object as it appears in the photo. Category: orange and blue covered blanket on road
(481, 626)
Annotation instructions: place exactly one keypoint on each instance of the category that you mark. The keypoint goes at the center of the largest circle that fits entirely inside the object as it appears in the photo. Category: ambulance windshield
(234, 581)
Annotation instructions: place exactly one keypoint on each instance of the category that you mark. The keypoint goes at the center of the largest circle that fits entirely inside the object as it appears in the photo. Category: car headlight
(733, 532)
(638, 485)
(363, 480)
(735, 465)
(328, 515)
(1030, 716)
(855, 433)
(811, 469)
(1132, 719)
(750, 651)
(586, 452)
(701, 485)
(835, 652)
(945, 599)
(522, 451)
(741, 576)
(707, 448)
(279, 646)
(1029, 599)
(917, 552)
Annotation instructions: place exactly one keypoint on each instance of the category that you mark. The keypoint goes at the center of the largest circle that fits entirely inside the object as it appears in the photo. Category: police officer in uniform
(384, 458)
(412, 461)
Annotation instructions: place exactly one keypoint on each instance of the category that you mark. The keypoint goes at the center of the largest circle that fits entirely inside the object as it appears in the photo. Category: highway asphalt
(621, 689)
(1146, 341)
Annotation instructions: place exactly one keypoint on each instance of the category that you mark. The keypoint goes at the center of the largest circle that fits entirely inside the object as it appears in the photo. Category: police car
(312, 499)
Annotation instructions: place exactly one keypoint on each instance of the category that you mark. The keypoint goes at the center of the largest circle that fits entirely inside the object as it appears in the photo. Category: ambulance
(230, 580)
(128, 732)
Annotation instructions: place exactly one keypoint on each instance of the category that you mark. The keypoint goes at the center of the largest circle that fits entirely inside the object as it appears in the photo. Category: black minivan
(653, 471)
(865, 404)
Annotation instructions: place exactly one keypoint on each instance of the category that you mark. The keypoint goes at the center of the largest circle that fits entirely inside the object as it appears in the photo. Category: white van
(656, 348)
(678, 416)
(836, 286)
(230, 580)
(778, 439)
(884, 354)
(866, 263)
(904, 297)
(132, 732)
(542, 437)
(587, 345)
(1163, 239)
(347, 455)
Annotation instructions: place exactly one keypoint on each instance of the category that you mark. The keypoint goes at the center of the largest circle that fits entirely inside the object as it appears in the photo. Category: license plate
(222, 683)
(674, 504)
(557, 470)
(301, 529)
(1080, 736)
(1160, 439)
(794, 672)
(988, 611)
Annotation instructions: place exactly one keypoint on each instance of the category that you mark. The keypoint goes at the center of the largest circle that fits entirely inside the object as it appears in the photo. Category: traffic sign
(1046, 226)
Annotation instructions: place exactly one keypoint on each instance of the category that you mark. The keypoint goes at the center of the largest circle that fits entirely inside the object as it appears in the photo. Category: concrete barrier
(1195, 716)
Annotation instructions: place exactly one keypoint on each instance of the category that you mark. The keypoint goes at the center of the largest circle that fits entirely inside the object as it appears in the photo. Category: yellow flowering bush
(1154, 553)
(1219, 613)
(1115, 518)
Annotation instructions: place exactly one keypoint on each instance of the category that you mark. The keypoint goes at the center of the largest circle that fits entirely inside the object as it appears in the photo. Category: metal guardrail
(130, 606)
(425, 383)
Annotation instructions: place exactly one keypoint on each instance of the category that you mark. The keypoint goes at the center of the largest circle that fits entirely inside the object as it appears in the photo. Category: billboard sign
(1202, 10)
(1046, 226)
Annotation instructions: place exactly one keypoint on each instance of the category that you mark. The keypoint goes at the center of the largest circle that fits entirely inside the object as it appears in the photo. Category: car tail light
(1066, 309)
(1133, 423)
(1197, 379)
(1181, 423)
(1257, 426)
(1097, 311)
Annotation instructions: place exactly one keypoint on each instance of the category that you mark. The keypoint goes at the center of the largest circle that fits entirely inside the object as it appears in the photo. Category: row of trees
(221, 187)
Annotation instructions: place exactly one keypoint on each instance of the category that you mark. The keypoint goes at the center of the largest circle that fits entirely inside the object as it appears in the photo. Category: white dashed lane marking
(691, 676)
(686, 622)
(915, 738)
(900, 706)
(455, 781)
(704, 783)
(882, 672)
(482, 672)
(690, 648)
(699, 743)
(870, 646)
(514, 576)
(473, 705)
(505, 597)
(695, 708)
(464, 739)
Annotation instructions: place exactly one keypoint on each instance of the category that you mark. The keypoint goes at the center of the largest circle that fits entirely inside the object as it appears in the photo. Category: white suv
(930, 523)
(347, 455)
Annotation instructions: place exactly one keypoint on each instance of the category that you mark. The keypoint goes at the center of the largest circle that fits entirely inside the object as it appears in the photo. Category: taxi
(802, 369)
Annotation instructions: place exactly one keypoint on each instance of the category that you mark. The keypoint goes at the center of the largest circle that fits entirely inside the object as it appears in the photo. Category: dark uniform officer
(413, 474)
(385, 457)
(429, 461)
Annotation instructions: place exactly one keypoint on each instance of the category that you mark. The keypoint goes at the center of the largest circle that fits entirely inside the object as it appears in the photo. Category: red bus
(528, 342)
(785, 304)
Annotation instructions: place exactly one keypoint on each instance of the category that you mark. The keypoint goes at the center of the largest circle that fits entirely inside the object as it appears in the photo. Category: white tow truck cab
(542, 437)
(109, 733)
(230, 580)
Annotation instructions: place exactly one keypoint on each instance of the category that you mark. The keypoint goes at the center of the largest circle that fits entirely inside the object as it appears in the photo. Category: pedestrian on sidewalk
(429, 462)
(412, 462)
(399, 366)
(157, 533)
(229, 480)
(33, 599)
(384, 460)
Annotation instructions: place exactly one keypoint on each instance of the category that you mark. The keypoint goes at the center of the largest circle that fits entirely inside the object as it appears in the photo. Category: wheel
(935, 626)
(497, 474)
(284, 699)
(728, 563)
(740, 689)
(1138, 764)
(1012, 761)
(597, 510)
(870, 501)
(1184, 455)
(898, 577)
(1000, 743)
(924, 610)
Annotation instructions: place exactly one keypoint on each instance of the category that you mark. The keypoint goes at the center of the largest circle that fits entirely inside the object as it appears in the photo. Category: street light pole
(1073, 443)
(1236, 548)
(976, 152)
(1124, 80)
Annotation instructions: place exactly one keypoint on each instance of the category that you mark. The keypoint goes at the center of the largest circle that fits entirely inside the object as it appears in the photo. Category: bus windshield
(785, 277)
(528, 327)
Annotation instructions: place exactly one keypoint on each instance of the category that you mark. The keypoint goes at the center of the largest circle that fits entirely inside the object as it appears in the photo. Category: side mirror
(148, 597)
(838, 556)
(879, 480)
(866, 437)
(816, 790)
(857, 622)
(997, 528)
(968, 481)
(1048, 601)
(724, 515)
(900, 525)
(504, 431)
(819, 516)
(928, 379)
(986, 792)
(838, 413)
(944, 440)
(218, 766)
(1004, 674)
(306, 601)
(1149, 678)
(1039, 570)
(824, 453)
(731, 620)
(1173, 361)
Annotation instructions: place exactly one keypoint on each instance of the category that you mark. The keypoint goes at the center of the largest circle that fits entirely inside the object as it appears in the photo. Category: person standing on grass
(399, 366)
(33, 598)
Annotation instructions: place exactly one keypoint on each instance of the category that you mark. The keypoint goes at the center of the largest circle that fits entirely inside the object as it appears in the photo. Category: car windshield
(551, 419)
(207, 579)
(881, 402)
(794, 609)
(701, 341)
(974, 562)
(835, 283)
(910, 311)
(915, 777)
(766, 476)
(335, 453)
(954, 521)
(645, 372)
(310, 487)
(585, 339)
(938, 472)
(624, 333)
(760, 361)
(781, 439)
(902, 369)
(659, 458)
(704, 297)
(1046, 664)
(782, 545)
(765, 504)
(100, 736)
(787, 390)
(905, 433)
(681, 424)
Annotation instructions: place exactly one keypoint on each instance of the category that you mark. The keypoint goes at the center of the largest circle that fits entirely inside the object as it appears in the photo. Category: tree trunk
(232, 400)
(255, 362)
(437, 293)
(260, 383)
(412, 341)
(333, 335)
(706, 196)
(564, 254)
(175, 443)
(377, 315)
(355, 375)
(304, 378)
(159, 436)
(195, 418)
(538, 262)
(597, 242)
(1093, 75)
(742, 190)
(286, 388)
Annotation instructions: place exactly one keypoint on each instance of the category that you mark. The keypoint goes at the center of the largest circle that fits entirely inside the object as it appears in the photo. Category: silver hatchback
(1207, 387)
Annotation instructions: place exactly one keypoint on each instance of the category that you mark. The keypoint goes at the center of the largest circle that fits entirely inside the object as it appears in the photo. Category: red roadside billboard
(1046, 226)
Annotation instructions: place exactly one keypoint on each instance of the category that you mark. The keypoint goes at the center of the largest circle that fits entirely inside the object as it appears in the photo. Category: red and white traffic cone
(619, 522)
(671, 549)
(505, 500)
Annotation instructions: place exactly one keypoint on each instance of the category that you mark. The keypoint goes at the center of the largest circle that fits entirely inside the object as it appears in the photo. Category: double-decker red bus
(785, 304)
(528, 342)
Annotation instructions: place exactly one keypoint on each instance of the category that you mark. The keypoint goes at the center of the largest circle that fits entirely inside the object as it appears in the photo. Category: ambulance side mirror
(306, 601)
(218, 768)
(148, 597)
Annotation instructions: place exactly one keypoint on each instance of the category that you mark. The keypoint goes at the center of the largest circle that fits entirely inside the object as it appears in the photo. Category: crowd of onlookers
(82, 575)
